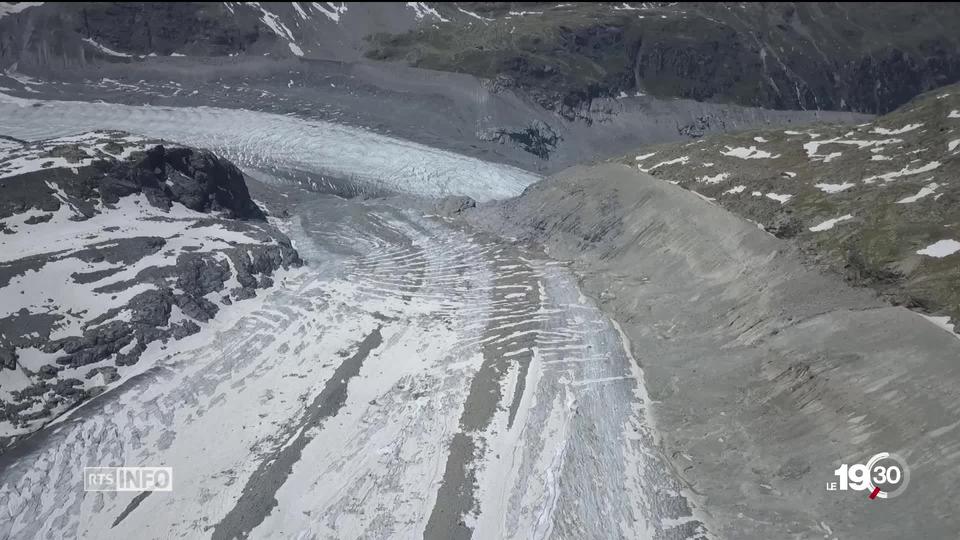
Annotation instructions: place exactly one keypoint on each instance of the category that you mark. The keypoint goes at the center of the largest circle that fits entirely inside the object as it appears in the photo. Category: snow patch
(782, 199)
(273, 22)
(942, 322)
(748, 153)
(9, 8)
(735, 189)
(906, 171)
(332, 12)
(828, 224)
(422, 9)
(299, 10)
(474, 15)
(106, 50)
(904, 129)
(678, 161)
(813, 147)
(929, 189)
(940, 249)
(833, 188)
(716, 179)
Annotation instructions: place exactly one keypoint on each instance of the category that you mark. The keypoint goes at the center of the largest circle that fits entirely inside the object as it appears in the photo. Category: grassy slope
(878, 246)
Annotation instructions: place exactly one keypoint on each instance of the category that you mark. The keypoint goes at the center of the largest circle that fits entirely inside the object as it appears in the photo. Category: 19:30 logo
(885, 476)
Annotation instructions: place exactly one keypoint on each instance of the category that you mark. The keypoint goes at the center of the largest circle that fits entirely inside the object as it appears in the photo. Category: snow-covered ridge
(108, 244)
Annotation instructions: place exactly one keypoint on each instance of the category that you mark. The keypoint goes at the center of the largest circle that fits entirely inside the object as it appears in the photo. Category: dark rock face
(8, 357)
(133, 28)
(538, 138)
(198, 179)
(450, 206)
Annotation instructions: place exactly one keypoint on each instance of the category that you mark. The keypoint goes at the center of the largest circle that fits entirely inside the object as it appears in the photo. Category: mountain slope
(861, 57)
(878, 202)
(835, 56)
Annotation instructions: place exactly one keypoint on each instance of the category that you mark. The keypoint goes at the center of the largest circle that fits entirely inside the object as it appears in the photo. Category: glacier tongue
(369, 161)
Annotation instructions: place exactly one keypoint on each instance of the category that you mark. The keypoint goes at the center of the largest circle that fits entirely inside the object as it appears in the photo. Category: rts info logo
(128, 479)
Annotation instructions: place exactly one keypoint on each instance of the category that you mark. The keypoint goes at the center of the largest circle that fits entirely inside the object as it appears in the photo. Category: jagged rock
(244, 293)
(33, 220)
(785, 226)
(48, 372)
(108, 373)
(151, 307)
(538, 138)
(188, 328)
(8, 358)
(196, 178)
(449, 206)
(202, 275)
(199, 308)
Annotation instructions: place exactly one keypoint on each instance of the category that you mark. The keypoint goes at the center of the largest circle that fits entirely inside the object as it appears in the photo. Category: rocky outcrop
(197, 179)
(538, 138)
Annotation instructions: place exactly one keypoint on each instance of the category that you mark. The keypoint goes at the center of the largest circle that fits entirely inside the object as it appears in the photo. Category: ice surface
(269, 141)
